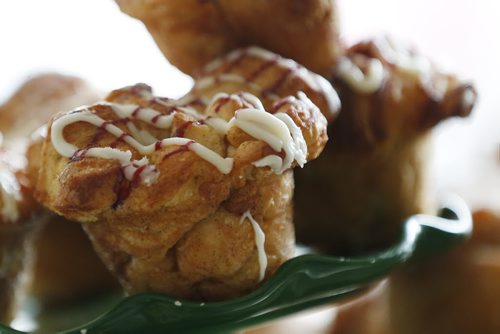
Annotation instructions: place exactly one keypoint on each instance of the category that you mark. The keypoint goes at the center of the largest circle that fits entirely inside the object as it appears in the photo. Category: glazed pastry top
(138, 133)
(389, 91)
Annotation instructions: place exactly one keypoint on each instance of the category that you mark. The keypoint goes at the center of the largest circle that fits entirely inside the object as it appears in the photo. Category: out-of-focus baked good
(40, 97)
(67, 269)
(455, 293)
(373, 174)
(178, 197)
(191, 33)
(59, 242)
(17, 228)
(367, 313)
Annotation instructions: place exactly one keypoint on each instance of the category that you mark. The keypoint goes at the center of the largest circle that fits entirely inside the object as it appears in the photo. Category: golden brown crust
(191, 32)
(151, 236)
(373, 174)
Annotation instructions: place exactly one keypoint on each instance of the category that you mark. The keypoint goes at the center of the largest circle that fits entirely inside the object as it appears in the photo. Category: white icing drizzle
(39, 133)
(315, 81)
(10, 196)
(330, 94)
(279, 131)
(402, 57)
(224, 165)
(246, 99)
(367, 83)
(260, 239)
(211, 80)
(468, 99)
(208, 81)
(148, 175)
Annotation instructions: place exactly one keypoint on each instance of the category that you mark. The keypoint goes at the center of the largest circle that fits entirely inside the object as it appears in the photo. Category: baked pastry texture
(17, 229)
(180, 197)
(373, 174)
(191, 33)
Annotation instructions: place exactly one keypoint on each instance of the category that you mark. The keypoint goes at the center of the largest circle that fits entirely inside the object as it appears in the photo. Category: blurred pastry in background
(367, 313)
(455, 293)
(67, 269)
(191, 33)
(18, 226)
(178, 197)
(373, 174)
(40, 97)
(58, 242)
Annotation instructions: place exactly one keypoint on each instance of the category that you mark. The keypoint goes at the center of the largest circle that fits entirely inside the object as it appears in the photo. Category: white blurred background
(93, 40)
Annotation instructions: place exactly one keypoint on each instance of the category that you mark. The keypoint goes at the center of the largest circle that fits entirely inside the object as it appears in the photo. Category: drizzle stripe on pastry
(260, 239)
(315, 81)
(279, 131)
(365, 83)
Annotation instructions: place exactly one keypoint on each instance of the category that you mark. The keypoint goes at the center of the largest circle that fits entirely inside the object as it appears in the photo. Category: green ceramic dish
(301, 283)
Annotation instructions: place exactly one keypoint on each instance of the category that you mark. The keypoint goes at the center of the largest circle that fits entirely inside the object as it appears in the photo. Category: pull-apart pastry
(178, 197)
(373, 175)
(17, 228)
(191, 33)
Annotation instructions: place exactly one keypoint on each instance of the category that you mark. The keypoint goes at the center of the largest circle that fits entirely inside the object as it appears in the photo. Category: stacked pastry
(153, 180)
(373, 173)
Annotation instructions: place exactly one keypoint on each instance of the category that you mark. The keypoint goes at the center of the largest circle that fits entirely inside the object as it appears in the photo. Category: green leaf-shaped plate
(302, 282)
